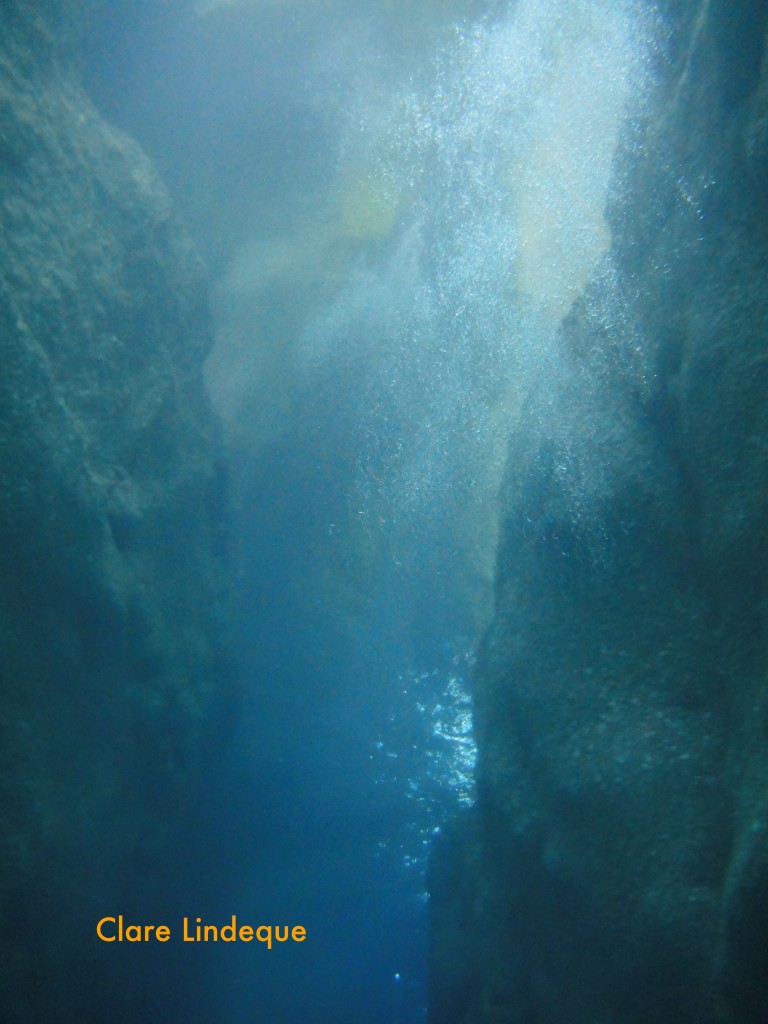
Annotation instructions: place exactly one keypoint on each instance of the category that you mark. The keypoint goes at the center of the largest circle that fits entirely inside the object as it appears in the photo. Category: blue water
(398, 205)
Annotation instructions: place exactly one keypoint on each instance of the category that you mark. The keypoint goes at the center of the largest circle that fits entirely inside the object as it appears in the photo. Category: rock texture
(111, 491)
(616, 867)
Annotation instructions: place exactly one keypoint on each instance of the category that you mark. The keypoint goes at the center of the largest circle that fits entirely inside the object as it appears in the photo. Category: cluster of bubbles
(481, 194)
(426, 754)
(478, 205)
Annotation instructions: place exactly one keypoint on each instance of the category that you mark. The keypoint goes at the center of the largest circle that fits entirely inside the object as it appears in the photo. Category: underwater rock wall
(616, 866)
(111, 502)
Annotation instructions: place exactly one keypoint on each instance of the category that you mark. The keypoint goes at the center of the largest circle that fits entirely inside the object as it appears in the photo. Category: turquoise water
(398, 205)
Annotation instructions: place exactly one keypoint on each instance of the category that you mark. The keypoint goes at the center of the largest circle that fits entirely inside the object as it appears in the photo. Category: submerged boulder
(615, 868)
(113, 681)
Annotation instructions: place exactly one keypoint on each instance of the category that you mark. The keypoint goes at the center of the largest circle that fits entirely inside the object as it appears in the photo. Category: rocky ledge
(111, 518)
(615, 870)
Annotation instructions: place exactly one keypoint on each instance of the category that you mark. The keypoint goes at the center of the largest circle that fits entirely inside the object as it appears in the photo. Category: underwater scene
(384, 511)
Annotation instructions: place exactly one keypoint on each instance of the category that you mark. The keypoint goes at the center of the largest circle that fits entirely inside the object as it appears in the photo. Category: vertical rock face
(616, 868)
(110, 507)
